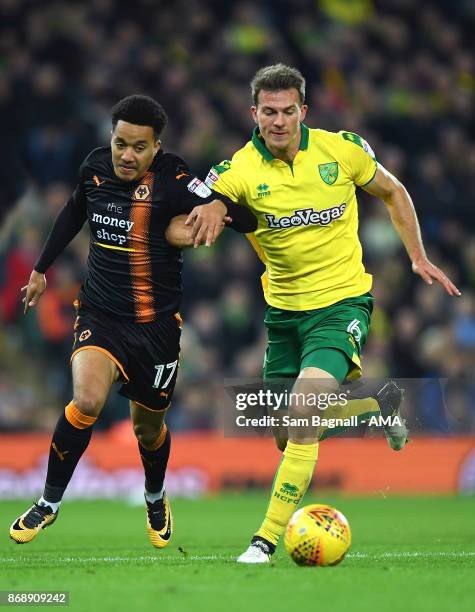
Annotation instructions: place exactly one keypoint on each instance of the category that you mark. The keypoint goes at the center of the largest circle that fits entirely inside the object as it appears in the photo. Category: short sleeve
(225, 179)
(185, 190)
(360, 158)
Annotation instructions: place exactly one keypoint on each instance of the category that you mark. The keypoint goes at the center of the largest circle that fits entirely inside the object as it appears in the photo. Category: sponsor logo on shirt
(305, 217)
(199, 188)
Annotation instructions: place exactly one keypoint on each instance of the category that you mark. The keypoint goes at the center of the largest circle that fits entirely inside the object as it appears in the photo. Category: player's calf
(389, 399)
(70, 439)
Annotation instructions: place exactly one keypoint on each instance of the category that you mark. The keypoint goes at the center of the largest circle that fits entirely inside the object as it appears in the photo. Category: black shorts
(146, 354)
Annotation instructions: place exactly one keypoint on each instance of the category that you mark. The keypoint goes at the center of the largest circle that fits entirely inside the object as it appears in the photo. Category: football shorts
(146, 354)
(329, 338)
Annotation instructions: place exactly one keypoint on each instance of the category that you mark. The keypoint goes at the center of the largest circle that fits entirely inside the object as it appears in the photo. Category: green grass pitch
(407, 554)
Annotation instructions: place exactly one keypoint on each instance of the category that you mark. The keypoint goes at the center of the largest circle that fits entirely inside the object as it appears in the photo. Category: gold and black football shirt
(132, 271)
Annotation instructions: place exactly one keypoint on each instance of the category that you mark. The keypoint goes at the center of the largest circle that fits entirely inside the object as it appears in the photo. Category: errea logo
(306, 216)
(263, 190)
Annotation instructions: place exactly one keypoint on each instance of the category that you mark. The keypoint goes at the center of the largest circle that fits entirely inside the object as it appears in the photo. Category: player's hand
(428, 272)
(207, 221)
(34, 290)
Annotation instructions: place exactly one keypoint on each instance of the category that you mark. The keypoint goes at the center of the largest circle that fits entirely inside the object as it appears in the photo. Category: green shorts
(328, 338)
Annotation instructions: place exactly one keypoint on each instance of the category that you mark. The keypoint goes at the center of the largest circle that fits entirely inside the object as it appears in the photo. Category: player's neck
(288, 154)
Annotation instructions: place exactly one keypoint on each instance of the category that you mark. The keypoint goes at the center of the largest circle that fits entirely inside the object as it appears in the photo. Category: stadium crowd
(399, 73)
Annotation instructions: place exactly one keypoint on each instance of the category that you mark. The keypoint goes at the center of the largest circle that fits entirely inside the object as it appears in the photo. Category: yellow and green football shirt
(307, 234)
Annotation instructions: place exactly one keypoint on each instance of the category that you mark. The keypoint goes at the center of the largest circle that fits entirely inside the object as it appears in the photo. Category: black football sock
(155, 460)
(70, 439)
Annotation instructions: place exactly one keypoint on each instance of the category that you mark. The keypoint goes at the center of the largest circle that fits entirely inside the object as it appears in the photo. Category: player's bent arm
(178, 234)
(241, 219)
(207, 220)
(244, 220)
(403, 216)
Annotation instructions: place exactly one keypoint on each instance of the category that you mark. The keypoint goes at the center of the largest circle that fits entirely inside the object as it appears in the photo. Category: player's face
(133, 149)
(278, 115)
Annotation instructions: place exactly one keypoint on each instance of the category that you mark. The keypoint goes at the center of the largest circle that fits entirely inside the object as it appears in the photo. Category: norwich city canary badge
(329, 172)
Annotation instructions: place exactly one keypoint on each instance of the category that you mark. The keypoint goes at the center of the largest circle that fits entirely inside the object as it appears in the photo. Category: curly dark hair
(276, 78)
(140, 110)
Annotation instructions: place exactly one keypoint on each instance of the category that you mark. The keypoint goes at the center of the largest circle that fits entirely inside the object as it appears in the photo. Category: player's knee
(89, 402)
(146, 436)
(301, 409)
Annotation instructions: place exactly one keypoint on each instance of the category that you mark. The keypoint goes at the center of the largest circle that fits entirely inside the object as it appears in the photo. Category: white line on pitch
(410, 555)
(160, 558)
(118, 559)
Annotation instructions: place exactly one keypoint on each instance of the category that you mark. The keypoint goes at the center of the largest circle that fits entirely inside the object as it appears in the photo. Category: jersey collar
(259, 143)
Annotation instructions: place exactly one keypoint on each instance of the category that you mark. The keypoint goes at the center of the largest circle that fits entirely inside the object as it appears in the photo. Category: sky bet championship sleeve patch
(213, 174)
(361, 142)
(198, 188)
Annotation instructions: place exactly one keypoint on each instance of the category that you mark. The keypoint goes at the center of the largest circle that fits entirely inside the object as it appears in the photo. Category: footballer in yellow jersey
(307, 212)
(300, 183)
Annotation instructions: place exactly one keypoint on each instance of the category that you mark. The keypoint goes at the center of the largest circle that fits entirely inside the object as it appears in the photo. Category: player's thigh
(93, 375)
(98, 358)
(283, 353)
(315, 379)
(333, 337)
(281, 363)
(153, 357)
(320, 363)
(309, 397)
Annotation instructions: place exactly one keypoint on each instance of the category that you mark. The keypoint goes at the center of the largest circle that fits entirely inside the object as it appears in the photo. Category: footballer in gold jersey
(301, 185)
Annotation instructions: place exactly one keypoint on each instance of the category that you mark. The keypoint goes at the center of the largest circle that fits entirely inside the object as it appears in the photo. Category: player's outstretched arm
(403, 216)
(69, 221)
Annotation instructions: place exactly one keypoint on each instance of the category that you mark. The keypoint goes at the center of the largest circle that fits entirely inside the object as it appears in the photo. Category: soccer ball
(317, 535)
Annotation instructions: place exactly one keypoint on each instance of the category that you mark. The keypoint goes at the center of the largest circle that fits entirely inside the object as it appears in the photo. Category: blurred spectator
(399, 73)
